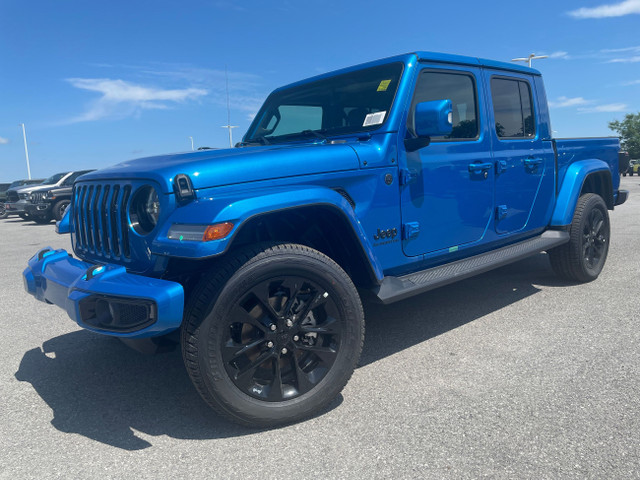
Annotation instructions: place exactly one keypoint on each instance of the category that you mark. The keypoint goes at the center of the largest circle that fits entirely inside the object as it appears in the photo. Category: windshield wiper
(256, 141)
(315, 133)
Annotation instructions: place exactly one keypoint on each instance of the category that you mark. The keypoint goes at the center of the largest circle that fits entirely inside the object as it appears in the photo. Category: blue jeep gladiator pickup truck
(393, 177)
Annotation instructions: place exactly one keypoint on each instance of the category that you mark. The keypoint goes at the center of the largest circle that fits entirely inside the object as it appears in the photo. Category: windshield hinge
(407, 175)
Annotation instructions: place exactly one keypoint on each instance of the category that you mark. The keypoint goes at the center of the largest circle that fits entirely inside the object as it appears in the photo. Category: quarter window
(460, 89)
(512, 108)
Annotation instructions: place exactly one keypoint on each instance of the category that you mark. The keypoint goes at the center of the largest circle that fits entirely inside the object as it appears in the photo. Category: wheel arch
(322, 226)
(585, 176)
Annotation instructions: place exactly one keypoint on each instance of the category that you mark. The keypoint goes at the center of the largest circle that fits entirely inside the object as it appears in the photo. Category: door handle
(479, 167)
(532, 162)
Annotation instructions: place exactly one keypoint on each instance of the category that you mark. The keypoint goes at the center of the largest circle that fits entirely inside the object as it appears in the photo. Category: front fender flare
(231, 208)
(571, 188)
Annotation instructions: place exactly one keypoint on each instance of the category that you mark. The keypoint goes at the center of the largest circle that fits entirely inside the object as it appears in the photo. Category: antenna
(228, 125)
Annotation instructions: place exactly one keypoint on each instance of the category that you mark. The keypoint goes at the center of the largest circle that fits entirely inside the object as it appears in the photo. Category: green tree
(629, 131)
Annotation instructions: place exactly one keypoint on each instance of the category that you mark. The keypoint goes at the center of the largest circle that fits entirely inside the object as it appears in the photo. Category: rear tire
(583, 258)
(272, 334)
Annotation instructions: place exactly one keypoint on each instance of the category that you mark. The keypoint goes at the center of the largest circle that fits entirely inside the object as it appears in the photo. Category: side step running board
(393, 289)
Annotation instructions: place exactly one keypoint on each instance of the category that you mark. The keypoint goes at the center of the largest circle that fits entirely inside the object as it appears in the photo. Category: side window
(512, 108)
(461, 90)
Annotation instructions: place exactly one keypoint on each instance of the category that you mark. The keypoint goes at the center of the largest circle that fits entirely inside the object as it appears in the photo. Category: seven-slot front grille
(100, 218)
(37, 197)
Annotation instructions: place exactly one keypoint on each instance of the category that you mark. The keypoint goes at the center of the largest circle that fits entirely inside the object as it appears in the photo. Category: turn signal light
(217, 231)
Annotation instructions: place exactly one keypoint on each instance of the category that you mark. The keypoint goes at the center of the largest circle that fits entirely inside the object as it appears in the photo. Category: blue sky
(99, 82)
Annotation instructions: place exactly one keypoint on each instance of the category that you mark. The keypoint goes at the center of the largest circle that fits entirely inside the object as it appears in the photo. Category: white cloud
(563, 102)
(632, 82)
(634, 59)
(627, 7)
(611, 107)
(4, 141)
(619, 50)
(559, 54)
(122, 99)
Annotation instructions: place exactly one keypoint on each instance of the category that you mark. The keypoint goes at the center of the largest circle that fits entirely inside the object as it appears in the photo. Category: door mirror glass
(433, 118)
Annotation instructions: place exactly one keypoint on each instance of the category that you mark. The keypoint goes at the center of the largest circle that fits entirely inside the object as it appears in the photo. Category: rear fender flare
(569, 191)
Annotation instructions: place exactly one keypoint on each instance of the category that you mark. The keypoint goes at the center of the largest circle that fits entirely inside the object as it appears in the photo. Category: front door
(447, 196)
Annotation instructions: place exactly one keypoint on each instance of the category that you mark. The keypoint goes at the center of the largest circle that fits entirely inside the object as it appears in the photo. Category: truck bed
(570, 150)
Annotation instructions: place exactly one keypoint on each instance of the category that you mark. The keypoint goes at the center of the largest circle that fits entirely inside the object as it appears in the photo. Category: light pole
(529, 58)
(230, 135)
(191, 138)
(228, 125)
(26, 151)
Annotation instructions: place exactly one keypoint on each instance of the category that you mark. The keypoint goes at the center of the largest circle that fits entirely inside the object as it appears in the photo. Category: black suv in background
(14, 186)
(49, 202)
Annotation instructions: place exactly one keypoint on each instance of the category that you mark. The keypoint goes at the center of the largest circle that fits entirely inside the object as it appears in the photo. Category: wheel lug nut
(284, 350)
(269, 344)
(296, 338)
(289, 323)
(273, 327)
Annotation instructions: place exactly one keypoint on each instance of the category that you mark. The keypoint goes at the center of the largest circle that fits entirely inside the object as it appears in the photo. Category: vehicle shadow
(393, 328)
(99, 388)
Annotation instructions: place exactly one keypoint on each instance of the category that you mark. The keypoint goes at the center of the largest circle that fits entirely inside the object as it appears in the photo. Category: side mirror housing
(433, 118)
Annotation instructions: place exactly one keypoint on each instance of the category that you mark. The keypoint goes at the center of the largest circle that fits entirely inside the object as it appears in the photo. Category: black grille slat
(96, 220)
(113, 221)
(88, 218)
(81, 220)
(104, 220)
(124, 224)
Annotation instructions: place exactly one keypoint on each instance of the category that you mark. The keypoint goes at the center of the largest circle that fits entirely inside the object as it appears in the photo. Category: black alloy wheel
(595, 242)
(583, 257)
(282, 338)
(3, 211)
(272, 334)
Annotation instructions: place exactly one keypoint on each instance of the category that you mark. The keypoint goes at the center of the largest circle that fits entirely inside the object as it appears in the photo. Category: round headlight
(145, 210)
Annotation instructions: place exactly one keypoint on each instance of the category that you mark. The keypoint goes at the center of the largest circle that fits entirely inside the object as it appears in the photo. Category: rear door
(524, 161)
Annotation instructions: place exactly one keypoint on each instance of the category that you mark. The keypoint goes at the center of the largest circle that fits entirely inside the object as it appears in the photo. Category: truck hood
(211, 168)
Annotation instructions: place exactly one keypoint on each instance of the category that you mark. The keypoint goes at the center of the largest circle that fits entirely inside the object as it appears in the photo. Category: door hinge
(407, 175)
(501, 167)
(410, 230)
(501, 212)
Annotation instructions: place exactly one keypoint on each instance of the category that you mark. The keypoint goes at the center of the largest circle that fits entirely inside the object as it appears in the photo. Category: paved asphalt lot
(512, 374)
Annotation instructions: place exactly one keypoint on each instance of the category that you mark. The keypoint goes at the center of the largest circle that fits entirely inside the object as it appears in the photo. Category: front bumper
(15, 208)
(40, 209)
(621, 197)
(105, 298)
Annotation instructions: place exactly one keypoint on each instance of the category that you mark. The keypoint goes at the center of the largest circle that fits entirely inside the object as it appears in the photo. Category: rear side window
(512, 108)
(461, 90)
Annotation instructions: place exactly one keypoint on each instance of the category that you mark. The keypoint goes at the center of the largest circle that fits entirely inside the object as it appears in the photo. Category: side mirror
(433, 118)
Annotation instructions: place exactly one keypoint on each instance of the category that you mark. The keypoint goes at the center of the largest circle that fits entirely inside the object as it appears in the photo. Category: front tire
(3, 211)
(59, 208)
(583, 258)
(41, 219)
(272, 334)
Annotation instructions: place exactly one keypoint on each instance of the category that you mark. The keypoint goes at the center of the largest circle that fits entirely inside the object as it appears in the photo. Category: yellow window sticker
(384, 84)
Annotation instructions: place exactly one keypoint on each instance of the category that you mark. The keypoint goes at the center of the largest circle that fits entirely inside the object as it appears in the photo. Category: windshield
(343, 104)
(54, 178)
